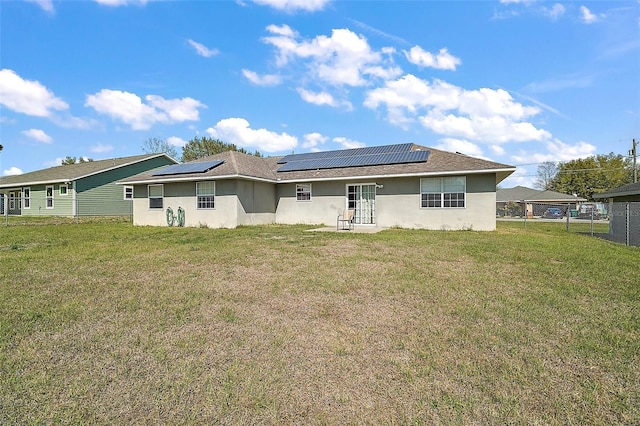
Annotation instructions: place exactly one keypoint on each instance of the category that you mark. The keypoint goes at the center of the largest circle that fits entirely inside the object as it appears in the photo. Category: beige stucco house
(407, 185)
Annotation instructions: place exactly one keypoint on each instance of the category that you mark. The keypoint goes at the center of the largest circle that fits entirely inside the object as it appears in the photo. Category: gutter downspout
(74, 200)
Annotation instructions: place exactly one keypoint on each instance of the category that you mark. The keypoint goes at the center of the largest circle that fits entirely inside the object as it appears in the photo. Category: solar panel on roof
(356, 161)
(182, 169)
(382, 149)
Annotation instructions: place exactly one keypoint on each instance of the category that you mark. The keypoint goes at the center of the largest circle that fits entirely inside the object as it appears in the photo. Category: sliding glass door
(362, 199)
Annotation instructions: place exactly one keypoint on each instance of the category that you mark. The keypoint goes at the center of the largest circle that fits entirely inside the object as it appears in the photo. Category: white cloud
(405, 96)
(345, 58)
(320, 98)
(262, 80)
(38, 135)
(46, 5)
(555, 11)
(202, 50)
(176, 141)
(484, 115)
(100, 148)
(348, 143)
(237, 131)
(129, 108)
(587, 16)
(497, 149)
(179, 110)
(12, 171)
(323, 98)
(27, 96)
(313, 140)
(556, 150)
(461, 146)
(294, 5)
(442, 61)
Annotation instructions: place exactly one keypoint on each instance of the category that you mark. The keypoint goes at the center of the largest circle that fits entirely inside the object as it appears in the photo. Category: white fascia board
(41, 182)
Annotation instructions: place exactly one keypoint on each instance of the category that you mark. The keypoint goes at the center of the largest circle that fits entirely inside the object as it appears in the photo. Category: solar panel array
(384, 149)
(182, 169)
(356, 161)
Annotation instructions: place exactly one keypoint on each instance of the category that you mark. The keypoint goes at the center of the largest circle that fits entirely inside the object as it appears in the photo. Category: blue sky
(518, 82)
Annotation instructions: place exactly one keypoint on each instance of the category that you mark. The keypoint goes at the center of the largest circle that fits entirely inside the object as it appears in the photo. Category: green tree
(592, 175)
(157, 145)
(200, 147)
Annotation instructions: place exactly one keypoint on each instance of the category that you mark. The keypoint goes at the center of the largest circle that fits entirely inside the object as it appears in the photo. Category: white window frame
(127, 192)
(440, 195)
(12, 200)
(49, 198)
(205, 200)
(303, 192)
(66, 190)
(161, 197)
(26, 194)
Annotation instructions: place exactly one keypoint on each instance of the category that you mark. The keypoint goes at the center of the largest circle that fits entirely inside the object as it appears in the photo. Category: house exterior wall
(183, 194)
(98, 195)
(244, 202)
(95, 195)
(256, 202)
(398, 203)
(328, 199)
(62, 204)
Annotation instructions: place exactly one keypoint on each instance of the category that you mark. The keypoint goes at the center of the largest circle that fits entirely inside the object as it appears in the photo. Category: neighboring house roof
(621, 191)
(72, 172)
(237, 164)
(522, 193)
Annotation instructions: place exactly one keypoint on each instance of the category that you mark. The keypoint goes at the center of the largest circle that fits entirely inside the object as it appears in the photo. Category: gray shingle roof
(522, 193)
(237, 164)
(71, 172)
(621, 191)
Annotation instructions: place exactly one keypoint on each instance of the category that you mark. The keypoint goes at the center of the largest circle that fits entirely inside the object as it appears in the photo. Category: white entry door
(362, 199)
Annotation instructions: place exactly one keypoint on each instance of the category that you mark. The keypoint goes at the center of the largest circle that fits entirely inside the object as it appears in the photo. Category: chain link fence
(615, 221)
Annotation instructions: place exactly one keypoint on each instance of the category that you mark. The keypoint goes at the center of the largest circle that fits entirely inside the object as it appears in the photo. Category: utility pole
(634, 154)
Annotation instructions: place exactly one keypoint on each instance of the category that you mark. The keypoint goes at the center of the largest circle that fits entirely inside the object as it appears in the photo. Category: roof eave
(501, 174)
(616, 194)
(40, 182)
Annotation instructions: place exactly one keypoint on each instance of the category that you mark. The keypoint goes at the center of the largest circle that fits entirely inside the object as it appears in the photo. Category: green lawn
(105, 323)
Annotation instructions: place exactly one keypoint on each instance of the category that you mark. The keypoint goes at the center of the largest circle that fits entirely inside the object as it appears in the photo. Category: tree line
(197, 147)
(585, 177)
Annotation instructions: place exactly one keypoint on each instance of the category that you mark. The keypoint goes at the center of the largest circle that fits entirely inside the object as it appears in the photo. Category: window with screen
(156, 195)
(443, 192)
(206, 193)
(303, 192)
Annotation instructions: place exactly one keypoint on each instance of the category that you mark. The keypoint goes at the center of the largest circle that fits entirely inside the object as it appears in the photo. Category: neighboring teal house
(81, 189)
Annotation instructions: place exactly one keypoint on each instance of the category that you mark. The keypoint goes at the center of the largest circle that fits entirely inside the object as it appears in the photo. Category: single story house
(81, 189)
(624, 213)
(520, 201)
(403, 185)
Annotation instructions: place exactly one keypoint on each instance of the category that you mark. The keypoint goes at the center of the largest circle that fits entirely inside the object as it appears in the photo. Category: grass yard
(105, 323)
